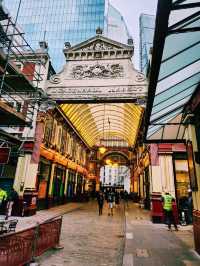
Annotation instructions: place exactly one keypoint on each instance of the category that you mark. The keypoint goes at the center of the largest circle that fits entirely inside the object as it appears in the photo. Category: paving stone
(89, 239)
(128, 260)
(153, 245)
(129, 235)
(93, 240)
(142, 253)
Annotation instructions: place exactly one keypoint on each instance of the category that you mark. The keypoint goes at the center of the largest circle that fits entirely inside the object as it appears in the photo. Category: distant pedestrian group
(112, 198)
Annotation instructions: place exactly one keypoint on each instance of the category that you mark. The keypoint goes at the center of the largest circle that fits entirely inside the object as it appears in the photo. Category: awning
(175, 68)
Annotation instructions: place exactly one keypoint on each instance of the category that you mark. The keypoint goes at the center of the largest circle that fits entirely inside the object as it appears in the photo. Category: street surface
(89, 239)
(128, 238)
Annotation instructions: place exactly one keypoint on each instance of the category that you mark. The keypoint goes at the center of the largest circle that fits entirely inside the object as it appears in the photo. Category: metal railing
(19, 248)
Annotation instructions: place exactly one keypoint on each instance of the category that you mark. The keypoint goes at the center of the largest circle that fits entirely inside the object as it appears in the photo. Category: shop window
(43, 176)
(182, 179)
(63, 142)
(59, 139)
(48, 131)
(53, 136)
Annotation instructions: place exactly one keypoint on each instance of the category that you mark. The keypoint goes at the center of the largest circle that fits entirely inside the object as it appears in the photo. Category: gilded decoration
(98, 71)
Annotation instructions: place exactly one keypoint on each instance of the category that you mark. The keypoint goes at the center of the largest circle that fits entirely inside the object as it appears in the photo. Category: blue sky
(131, 10)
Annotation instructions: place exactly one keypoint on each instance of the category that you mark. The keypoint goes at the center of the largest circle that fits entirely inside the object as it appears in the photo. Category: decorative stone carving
(55, 79)
(140, 77)
(98, 71)
(98, 46)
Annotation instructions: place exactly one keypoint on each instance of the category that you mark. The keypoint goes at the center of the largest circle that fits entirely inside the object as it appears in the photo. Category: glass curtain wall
(58, 22)
(115, 26)
(147, 26)
(63, 21)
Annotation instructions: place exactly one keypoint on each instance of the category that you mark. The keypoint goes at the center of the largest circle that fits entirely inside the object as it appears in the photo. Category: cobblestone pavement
(150, 244)
(89, 239)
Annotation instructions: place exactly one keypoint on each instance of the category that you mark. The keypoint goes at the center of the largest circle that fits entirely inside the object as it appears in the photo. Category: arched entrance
(115, 171)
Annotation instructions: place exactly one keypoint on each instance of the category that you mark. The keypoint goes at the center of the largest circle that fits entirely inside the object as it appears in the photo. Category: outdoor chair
(8, 226)
(12, 225)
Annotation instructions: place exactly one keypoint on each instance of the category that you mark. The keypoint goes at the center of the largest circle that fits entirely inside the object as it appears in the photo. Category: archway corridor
(110, 131)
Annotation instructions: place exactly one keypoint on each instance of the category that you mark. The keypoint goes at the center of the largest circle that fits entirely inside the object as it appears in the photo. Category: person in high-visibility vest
(3, 195)
(3, 198)
(168, 200)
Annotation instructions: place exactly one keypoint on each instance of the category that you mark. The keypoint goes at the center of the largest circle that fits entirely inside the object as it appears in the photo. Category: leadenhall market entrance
(103, 97)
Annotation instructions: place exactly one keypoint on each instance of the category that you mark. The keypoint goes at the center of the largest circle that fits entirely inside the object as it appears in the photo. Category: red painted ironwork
(157, 207)
(4, 155)
(196, 227)
(49, 235)
(17, 249)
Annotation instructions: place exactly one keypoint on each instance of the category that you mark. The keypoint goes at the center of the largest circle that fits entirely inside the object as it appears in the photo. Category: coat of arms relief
(98, 71)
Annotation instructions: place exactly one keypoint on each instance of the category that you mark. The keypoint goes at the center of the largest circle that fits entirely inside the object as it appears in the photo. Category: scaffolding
(20, 73)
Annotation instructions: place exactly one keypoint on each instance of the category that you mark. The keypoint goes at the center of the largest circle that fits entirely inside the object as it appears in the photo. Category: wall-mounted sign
(191, 167)
(4, 155)
(97, 93)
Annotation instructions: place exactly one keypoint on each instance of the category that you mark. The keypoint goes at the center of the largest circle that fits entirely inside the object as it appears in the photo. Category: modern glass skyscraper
(115, 27)
(147, 26)
(60, 21)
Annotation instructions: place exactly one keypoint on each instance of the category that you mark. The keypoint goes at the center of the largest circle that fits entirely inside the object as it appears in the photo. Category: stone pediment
(98, 46)
(98, 70)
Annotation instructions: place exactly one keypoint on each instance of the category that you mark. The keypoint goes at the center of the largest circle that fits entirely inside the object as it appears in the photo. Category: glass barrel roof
(105, 121)
(179, 70)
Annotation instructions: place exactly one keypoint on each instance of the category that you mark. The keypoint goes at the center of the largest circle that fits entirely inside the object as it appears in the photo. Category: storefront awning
(175, 68)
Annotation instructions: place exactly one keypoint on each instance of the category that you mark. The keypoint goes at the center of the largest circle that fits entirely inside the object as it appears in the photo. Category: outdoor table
(5, 225)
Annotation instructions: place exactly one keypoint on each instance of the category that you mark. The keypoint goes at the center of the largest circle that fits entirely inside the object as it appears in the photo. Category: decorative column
(66, 181)
(50, 194)
(76, 180)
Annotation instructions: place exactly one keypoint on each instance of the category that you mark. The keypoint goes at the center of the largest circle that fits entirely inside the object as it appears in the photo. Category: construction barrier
(17, 249)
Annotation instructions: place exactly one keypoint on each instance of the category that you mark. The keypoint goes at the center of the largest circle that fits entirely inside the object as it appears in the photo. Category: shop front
(71, 185)
(44, 170)
(58, 185)
(59, 179)
(182, 179)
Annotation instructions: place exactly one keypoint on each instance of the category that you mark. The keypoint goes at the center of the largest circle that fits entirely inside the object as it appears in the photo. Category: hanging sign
(4, 155)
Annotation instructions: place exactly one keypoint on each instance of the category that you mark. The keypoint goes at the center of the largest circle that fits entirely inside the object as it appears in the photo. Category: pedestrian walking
(110, 202)
(117, 199)
(168, 200)
(190, 207)
(13, 200)
(100, 200)
(126, 198)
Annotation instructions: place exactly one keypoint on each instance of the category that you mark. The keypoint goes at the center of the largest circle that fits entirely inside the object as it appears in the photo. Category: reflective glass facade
(115, 26)
(147, 26)
(60, 21)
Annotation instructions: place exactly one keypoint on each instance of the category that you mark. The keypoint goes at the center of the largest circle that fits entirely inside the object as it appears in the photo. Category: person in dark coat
(111, 200)
(117, 199)
(13, 200)
(190, 207)
(100, 200)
